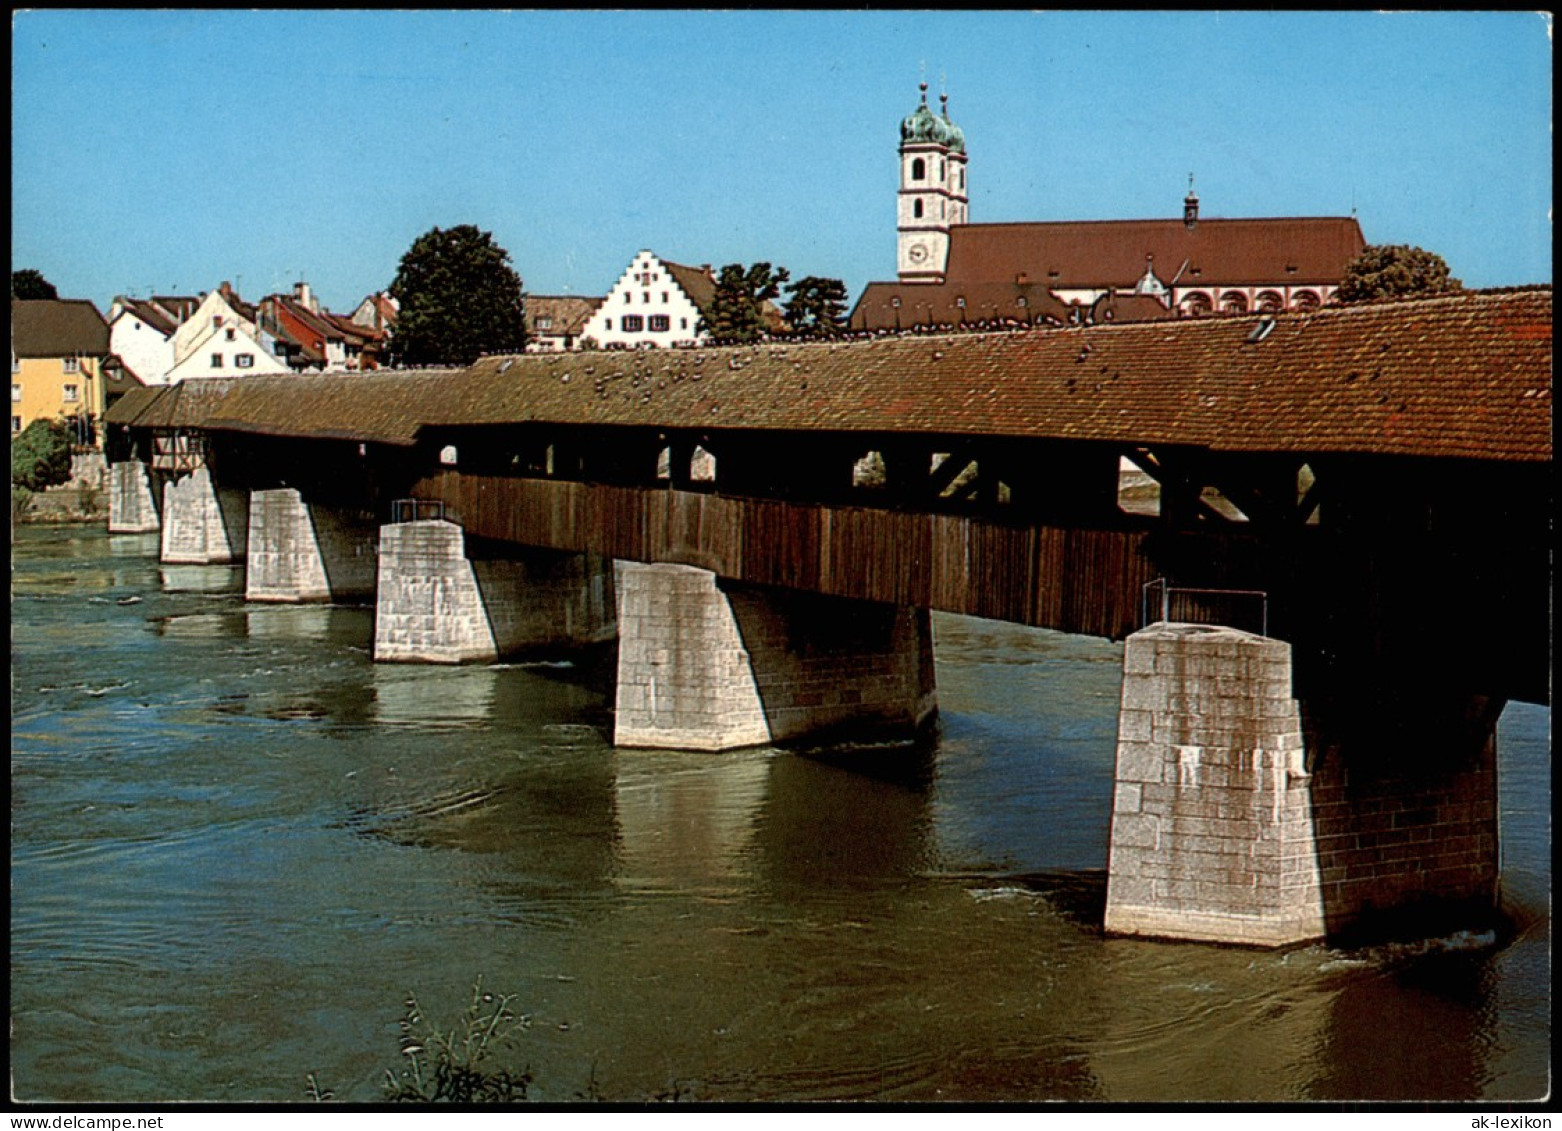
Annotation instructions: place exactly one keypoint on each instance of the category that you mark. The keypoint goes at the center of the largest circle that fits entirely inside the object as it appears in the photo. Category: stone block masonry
(202, 523)
(434, 605)
(708, 665)
(1212, 833)
(132, 508)
(301, 552)
(1229, 826)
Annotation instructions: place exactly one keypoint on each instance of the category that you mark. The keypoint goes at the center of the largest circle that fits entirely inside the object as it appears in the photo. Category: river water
(237, 845)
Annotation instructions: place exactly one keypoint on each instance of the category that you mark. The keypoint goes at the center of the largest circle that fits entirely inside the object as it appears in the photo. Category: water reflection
(419, 695)
(688, 819)
(202, 578)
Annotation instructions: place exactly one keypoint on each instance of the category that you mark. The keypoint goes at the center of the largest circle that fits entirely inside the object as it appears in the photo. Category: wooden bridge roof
(1464, 376)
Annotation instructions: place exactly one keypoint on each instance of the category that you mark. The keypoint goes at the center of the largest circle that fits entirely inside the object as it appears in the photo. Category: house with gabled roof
(657, 302)
(222, 338)
(60, 363)
(556, 322)
(141, 332)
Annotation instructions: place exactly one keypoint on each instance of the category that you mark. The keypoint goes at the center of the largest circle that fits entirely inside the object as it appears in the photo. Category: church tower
(933, 195)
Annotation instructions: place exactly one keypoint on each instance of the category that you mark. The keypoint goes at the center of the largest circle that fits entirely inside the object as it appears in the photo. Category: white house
(654, 303)
(141, 334)
(221, 339)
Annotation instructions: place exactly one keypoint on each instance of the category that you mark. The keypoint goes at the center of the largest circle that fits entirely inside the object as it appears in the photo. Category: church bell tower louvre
(933, 195)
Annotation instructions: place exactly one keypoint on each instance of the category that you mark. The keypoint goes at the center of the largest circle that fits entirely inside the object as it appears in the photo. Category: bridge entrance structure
(766, 528)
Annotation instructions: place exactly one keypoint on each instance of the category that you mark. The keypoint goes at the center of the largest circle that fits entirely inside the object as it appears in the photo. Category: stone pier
(708, 665)
(435, 605)
(202, 523)
(1226, 829)
(301, 552)
(132, 508)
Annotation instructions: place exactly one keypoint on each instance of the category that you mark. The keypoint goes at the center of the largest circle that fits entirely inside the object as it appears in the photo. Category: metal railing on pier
(1162, 602)
(417, 510)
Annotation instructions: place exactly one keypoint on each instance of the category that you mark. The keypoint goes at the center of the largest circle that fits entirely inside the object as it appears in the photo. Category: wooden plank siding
(1073, 580)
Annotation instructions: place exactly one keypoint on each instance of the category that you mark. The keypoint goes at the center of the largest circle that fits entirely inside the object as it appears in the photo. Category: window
(940, 170)
(544, 323)
(244, 360)
(918, 169)
(664, 298)
(72, 394)
(660, 322)
(16, 424)
(232, 334)
(72, 365)
(16, 392)
(632, 323)
(216, 361)
(683, 323)
(607, 323)
(628, 297)
(645, 297)
(916, 209)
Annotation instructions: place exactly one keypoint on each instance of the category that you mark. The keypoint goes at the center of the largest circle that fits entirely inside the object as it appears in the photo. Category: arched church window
(918, 169)
(1233, 302)
(916, 209)
(1196, 305)
(1270, 301)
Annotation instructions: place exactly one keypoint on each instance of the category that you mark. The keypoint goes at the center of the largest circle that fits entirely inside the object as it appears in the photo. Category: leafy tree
(817, 305)
(1394, 270)
(30, 283)
(41, 455)
(736, 310)
(460, 298)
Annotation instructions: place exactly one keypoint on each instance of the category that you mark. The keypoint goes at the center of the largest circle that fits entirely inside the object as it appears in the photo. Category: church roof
(1113, 253)
(889, 306)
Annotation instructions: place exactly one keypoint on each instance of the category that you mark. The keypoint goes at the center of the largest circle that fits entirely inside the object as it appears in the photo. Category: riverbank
(57, 505)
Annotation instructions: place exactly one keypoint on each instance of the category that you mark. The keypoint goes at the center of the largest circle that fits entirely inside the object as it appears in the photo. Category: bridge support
(435, 605)
(708, 666)
(1224, 830)
(132, 508)
(302, 551)
(202, 523)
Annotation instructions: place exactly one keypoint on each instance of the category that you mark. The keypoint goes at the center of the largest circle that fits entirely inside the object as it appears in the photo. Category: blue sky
(166, 151)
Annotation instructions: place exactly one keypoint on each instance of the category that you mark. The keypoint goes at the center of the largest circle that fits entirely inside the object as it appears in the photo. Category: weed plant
(445, 1066)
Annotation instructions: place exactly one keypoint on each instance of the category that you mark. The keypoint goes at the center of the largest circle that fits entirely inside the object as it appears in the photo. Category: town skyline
(266, 149)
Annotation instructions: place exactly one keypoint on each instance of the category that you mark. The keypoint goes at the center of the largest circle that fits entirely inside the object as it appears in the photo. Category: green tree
(816, 305)
(460, 299)
(736, 312)
(30, 283)
(1394, 270)
(41, 455)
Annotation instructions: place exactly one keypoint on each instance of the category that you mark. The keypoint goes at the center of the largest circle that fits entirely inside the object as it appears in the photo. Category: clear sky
(166, 151)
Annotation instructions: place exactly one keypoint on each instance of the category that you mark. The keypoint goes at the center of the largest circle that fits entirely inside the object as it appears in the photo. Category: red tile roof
(1101, 253)
(891, 306)
(1465, 375)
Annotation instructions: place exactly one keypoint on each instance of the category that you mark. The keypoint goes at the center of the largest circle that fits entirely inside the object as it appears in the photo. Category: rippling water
(237, 844)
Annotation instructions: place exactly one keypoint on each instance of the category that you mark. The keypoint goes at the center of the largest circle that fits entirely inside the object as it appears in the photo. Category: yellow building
(60, 364)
